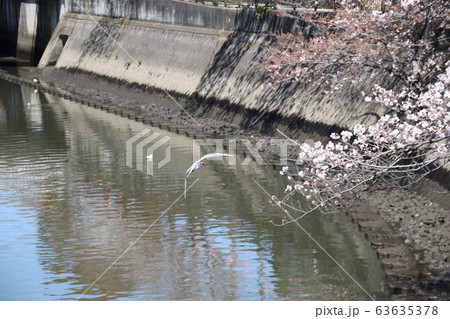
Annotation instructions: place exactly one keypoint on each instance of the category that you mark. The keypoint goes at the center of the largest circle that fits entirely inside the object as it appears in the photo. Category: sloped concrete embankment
(213, 69)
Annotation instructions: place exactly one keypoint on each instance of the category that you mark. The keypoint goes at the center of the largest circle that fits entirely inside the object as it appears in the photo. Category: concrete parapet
(179, 13)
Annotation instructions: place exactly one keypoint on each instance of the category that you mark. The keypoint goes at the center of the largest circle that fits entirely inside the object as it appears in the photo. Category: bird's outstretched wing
(213, 155)
(196, 166)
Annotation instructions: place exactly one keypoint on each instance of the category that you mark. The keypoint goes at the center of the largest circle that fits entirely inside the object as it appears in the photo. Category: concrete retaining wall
(213, 68)
(172, 58)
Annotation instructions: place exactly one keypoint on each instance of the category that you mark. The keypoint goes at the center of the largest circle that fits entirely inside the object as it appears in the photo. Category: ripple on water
(70, 207)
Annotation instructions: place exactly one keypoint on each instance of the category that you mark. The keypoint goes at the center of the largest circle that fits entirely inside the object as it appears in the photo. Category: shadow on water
(65, 165)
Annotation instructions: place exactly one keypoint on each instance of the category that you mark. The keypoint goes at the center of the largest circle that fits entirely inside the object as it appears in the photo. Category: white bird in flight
(198, 164)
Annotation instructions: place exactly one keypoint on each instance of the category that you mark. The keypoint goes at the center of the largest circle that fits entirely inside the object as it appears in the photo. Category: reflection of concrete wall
(34, 110)
(79, 235)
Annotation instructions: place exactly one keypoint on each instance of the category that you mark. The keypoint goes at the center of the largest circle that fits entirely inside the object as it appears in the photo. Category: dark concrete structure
(26, 27)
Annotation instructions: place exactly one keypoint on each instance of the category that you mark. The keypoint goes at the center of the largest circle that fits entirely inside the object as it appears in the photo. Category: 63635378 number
(406, 310)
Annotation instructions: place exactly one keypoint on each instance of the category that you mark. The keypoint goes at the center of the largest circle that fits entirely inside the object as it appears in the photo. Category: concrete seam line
(134, 242)
(318, 244)
(135, 61)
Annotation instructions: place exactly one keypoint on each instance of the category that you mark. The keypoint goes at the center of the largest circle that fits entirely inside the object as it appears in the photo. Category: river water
(74, 215)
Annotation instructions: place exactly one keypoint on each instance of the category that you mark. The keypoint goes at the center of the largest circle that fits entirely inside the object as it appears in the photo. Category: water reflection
(69, 207)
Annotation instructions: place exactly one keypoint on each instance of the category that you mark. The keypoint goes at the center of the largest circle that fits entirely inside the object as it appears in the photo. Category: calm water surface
(70, 207)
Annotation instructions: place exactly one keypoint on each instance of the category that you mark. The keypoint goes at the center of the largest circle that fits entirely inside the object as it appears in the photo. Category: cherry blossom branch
(405, 146)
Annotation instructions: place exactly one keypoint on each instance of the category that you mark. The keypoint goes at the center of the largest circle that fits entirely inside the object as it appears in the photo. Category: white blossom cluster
(410, 142)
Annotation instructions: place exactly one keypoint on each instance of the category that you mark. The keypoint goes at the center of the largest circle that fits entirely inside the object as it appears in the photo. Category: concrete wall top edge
(184, 14)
